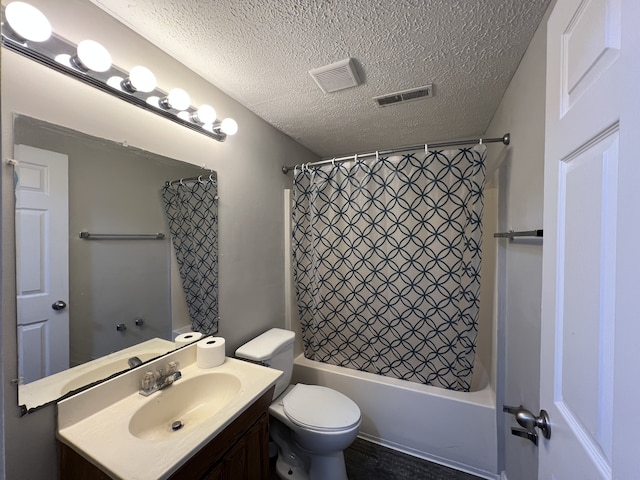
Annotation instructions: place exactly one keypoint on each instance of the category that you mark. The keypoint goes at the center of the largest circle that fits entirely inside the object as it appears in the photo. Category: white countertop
(95, 422)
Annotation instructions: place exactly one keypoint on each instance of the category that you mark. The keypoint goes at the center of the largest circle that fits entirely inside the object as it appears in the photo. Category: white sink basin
(130, 436)
(183, 405)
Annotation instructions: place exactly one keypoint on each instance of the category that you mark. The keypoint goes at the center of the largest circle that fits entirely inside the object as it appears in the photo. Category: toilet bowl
(310, 424)
(323, 422)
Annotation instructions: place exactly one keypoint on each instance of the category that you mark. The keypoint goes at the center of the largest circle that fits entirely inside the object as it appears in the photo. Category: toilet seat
(320, 408)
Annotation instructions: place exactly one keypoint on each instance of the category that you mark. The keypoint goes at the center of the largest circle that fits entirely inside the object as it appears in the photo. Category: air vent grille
(404, 96)
(337, 76)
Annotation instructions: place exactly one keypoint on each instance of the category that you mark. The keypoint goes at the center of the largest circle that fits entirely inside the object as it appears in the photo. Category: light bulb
(92, 56)
(229, 126)
(205, 114)
(115, 82)
(153, 101)
(141, 79)
(28, 22)
(177, 99)
(64, 59)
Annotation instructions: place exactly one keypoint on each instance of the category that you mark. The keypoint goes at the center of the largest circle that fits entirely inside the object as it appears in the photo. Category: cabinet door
(247, 460)
(216, 474)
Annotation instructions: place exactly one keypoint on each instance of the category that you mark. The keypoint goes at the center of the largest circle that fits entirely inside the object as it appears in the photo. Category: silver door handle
(59, 305)
(530, 421)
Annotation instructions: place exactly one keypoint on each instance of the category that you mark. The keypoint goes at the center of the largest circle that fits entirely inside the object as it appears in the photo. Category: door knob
(59, 305)
(530, 421)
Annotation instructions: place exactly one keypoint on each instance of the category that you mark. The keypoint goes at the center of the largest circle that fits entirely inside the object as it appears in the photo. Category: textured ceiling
(259, 52)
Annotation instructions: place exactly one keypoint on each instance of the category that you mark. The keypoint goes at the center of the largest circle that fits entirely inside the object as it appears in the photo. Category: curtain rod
(213, 176)
(505, 139)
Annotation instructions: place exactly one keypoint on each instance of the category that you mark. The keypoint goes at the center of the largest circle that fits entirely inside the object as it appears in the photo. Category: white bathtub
(457, 429)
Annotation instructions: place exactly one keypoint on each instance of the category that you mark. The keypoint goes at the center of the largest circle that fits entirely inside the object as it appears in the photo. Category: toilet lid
(319, 407)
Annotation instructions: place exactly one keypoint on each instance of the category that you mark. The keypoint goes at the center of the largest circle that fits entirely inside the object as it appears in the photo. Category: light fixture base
(46, 52)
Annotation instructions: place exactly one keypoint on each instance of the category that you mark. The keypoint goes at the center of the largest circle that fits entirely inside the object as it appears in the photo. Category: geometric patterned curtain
(191, 208)
(387, 264)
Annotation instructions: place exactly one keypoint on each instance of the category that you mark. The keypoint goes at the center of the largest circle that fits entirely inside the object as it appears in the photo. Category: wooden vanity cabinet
(239, 452)
(245, 460)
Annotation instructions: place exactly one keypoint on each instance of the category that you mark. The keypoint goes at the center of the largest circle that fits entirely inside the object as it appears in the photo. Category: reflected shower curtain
(387, 264)
(191, 208)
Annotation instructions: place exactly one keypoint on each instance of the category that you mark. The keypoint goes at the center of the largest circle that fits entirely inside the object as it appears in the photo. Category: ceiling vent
(337, 76)
(404, 96)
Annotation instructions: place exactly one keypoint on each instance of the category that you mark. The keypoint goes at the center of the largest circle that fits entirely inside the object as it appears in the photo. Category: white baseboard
(503, 475)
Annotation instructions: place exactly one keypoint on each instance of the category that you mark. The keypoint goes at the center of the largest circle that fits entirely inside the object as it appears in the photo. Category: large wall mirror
(88, 304)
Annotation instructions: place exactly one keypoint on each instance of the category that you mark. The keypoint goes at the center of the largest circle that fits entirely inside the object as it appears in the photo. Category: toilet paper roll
(187, 338)
(210, 352)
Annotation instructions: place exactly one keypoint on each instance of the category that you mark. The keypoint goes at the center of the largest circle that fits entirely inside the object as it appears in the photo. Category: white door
(42, 262)
(591, 257)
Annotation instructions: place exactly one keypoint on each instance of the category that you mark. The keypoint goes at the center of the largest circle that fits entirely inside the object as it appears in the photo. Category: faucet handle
(148, 381)
(172, 367)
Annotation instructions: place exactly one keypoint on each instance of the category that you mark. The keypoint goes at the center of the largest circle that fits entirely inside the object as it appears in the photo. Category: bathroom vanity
(111, 431)
(240, 451)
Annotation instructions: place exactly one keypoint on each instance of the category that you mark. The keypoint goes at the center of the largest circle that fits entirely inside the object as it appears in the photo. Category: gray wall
(520, 202)
(251, 203)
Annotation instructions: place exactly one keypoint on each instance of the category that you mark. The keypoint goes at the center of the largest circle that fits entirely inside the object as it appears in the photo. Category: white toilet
(310, 424)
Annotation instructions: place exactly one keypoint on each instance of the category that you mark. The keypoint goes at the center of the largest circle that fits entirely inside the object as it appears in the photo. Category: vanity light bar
(137, 87)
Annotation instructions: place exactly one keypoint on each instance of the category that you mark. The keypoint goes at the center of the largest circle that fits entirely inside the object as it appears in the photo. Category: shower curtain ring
(426, 149)
(377, 156)
(333, 162)
(199, 178)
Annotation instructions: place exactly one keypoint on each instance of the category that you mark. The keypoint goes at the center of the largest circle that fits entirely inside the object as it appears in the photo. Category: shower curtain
(191, 208)
(387, 264)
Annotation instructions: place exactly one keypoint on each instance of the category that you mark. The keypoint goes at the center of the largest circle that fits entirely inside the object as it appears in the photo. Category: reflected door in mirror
(42, 262)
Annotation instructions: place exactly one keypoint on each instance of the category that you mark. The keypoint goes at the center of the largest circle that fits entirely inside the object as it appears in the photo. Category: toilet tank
(275, 349)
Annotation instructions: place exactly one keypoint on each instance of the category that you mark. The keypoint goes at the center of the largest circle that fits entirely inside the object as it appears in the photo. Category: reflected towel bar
(121, 236)
(510, 234)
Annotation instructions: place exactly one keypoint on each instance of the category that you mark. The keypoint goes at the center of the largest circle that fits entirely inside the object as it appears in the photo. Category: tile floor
(369, 461)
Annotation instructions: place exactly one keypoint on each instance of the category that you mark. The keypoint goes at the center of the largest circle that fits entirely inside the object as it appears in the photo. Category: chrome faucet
(153, 381)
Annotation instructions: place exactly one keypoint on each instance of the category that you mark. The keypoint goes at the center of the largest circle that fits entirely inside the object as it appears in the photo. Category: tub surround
(456, 429)
(95, 424)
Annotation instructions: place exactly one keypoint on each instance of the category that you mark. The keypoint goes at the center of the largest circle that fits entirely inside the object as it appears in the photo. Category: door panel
(590, 141)
(32, 350)
(590, 44)
(584, 326)
(42, 261)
